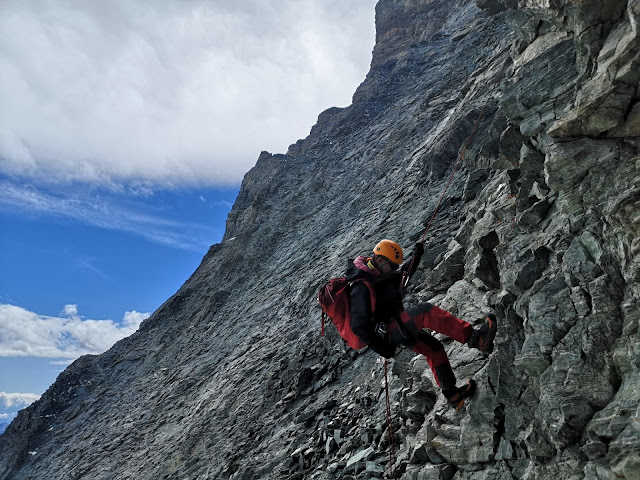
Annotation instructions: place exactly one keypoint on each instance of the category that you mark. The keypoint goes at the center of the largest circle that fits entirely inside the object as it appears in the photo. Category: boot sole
(470, 392)
(491, 335)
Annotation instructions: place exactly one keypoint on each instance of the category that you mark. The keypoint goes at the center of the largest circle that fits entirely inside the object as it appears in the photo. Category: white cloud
(70, 311)
(134, 319)
(27, 334)
(64, 363)
(15, 401)
(11, 403)
(170, 92)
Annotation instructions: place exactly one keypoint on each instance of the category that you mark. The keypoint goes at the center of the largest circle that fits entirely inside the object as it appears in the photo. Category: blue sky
(129, 255)
(125, 130)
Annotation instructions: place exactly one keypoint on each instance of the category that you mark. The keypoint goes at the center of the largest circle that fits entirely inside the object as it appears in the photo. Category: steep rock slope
(230, 378)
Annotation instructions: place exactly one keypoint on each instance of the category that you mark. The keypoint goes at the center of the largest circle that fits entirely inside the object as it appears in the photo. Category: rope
(392, 453)
(405, 281)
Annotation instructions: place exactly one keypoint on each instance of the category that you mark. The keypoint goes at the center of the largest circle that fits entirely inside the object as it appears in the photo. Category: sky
(126, 128)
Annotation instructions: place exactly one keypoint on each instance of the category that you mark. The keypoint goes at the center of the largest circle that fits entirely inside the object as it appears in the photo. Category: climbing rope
(406, 278)
(392, 458)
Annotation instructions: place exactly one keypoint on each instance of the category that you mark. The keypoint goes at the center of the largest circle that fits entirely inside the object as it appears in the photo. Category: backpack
(334, 300)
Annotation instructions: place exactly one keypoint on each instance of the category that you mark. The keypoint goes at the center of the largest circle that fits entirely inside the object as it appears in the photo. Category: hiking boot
(457, 396)
(482, 339)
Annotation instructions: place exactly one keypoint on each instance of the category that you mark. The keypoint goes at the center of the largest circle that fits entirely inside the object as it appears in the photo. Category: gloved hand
(418, 249)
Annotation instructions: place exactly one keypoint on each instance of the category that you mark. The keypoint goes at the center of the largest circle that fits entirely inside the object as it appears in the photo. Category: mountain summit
(230, 378)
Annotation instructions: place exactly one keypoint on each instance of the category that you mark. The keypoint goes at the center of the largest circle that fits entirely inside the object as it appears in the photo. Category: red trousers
(434, 318)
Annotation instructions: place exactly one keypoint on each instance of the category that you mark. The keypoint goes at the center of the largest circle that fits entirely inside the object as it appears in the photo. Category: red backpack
(334, 300)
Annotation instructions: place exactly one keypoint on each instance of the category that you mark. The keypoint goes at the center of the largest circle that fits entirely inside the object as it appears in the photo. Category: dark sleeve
(410, 266)
(362, 323)
(360, 312)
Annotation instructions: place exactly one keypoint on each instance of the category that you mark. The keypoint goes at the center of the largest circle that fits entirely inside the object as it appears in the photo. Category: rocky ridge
(230, 377)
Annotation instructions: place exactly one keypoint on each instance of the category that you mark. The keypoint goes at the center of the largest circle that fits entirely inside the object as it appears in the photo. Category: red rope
(392, 453)
(405, 281)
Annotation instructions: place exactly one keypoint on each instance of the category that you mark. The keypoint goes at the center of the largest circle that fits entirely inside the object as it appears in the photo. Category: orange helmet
(390, 250)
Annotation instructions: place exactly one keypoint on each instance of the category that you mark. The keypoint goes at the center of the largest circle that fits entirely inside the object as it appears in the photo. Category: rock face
(230, 378)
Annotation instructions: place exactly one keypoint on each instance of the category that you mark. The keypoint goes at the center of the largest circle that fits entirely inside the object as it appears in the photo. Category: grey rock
(361, 456)
(568, 163)
(373, 467)
(449, 269)
(531, 159)
(230, 377)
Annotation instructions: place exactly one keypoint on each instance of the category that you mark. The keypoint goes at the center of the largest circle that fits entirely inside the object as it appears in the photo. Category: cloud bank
(11, 403)
(172, 92)
(27, 334)
(15, 401)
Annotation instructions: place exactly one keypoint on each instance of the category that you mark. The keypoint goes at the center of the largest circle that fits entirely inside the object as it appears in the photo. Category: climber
(390, 325)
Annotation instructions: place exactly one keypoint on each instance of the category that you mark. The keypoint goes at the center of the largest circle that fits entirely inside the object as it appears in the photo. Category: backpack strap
(372, 293)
